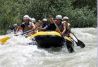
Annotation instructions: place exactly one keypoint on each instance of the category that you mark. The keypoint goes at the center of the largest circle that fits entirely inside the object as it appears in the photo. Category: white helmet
(65, 17)
(33, 19)
(59, 17)
(26, 17)
(44, 19)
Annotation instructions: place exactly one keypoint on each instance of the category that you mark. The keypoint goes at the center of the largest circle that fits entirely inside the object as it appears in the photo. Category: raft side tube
(48, 41)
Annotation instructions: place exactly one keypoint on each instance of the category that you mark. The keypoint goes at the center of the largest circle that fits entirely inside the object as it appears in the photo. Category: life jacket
(51, 27)
(44, 25)
(26, 26)
(67, 28)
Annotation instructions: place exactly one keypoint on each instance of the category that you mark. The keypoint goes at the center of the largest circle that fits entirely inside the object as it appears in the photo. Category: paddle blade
(4, 40)
(80, 43)
(69, 44)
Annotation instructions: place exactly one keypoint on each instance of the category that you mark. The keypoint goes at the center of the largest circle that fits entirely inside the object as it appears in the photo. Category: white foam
(17, 53)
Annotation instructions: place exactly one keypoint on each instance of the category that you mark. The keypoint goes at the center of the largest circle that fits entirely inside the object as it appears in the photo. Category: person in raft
(26, 25)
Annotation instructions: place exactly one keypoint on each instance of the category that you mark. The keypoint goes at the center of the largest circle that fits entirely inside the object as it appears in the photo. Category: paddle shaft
(79, 42)
(55, 25)
(27, 32)
(73, 37)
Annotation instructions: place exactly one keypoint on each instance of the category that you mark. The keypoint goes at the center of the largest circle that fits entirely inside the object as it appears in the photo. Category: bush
(82, 17)
(12, 11)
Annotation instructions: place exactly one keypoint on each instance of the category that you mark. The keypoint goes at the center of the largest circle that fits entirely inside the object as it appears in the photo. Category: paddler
(66, 26)
(26, 25)
(50, 26)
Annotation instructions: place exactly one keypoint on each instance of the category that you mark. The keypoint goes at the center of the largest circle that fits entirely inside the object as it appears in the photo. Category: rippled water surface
(17, 53)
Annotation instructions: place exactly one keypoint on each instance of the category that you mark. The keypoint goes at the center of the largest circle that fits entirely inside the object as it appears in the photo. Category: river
(17, 53)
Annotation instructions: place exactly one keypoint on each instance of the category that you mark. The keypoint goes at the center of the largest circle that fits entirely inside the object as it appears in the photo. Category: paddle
(6, 38)
(26, 32)
(68, 43)
(77, 41)
(57, 28)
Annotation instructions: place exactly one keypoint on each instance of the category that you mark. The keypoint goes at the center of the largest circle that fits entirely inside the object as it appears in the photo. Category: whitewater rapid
(17, 53)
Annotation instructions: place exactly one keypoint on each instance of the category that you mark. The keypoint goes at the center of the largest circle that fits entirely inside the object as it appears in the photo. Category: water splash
(18, 53)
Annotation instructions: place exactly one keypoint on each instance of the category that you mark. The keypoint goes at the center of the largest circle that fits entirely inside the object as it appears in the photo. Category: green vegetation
(82, 13)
